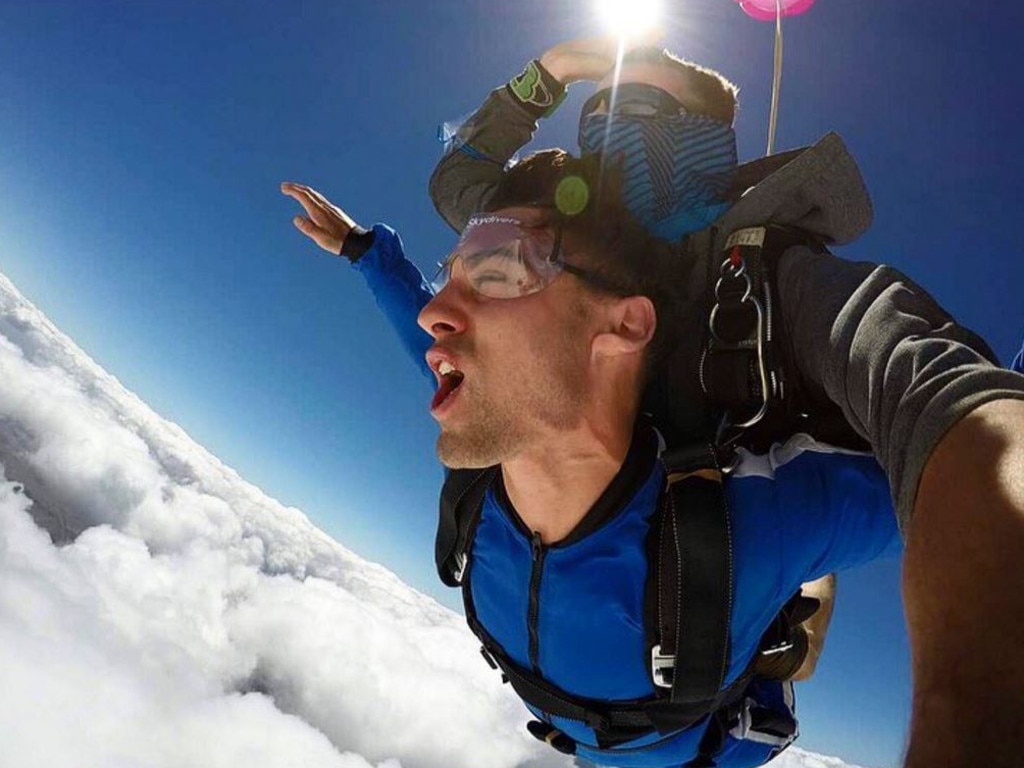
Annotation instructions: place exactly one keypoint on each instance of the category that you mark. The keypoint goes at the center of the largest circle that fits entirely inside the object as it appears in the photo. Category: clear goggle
(504, 258)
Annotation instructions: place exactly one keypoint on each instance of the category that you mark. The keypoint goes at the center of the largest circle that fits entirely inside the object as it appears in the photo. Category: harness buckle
(780, 647)
(552, 736)
(741, 322)
(461, 561)
(662, 667)
(488, 658)
(763, 725)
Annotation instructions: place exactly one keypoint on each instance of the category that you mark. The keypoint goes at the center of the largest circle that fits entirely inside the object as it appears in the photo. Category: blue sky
(141, 149)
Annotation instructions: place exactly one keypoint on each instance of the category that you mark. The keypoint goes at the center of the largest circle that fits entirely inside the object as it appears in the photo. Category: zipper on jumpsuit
(533, 615)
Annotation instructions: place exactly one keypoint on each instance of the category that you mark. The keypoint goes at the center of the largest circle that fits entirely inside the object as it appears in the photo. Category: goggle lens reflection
(502, 258)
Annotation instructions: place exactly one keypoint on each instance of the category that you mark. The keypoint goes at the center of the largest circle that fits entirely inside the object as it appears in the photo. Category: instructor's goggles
(504, 258)
(634, 99)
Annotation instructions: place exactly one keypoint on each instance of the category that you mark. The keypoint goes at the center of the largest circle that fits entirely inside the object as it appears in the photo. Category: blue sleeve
(835, 510)
(399, 290)
(1018, 362)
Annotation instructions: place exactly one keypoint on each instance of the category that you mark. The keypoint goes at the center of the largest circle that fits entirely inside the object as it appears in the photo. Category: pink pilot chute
(770, 10)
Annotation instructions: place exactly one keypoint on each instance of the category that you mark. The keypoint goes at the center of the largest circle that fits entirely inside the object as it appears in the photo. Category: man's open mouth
(450, 378)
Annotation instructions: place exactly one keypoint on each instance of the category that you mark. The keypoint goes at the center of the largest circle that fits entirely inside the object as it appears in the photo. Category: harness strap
(694, 593)
(611, 724)
(695, 579)
(713, 740)
(461, 497)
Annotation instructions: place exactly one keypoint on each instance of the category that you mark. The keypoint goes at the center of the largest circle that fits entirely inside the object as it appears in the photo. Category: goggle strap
(557, 248)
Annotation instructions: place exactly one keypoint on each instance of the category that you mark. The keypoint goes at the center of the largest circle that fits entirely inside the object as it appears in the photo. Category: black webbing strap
(461, 497)
(695, 587)
(713, 740)
(551, 700)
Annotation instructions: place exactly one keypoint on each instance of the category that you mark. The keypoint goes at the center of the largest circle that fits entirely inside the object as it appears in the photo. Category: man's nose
(444, 314)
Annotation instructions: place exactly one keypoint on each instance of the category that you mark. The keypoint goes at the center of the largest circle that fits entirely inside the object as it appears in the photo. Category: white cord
(773, 114)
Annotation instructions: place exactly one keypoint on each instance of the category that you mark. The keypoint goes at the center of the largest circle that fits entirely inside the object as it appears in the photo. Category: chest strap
(613, 723)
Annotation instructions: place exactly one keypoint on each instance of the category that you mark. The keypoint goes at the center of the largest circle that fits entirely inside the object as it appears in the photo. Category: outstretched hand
(325, 223)
(589, 58)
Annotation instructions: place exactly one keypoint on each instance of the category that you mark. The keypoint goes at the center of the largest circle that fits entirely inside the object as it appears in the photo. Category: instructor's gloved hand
(588, 58)
(326, 224)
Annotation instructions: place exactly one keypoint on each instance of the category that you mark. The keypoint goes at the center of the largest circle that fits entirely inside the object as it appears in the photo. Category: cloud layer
(158, 610)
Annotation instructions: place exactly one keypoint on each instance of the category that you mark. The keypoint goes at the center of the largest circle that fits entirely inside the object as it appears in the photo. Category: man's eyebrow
(477, 256)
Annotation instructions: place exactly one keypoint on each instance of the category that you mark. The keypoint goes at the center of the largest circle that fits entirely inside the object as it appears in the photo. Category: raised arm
(397, 285)
(475, 159)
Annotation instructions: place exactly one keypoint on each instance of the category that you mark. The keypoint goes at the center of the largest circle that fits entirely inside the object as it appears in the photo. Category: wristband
(357, 242)
(537, 90)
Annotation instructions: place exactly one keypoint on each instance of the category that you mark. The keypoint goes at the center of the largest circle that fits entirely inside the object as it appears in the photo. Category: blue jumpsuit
(799, 512)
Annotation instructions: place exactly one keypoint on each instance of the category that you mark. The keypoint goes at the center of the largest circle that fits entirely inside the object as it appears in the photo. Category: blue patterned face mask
(676, 166)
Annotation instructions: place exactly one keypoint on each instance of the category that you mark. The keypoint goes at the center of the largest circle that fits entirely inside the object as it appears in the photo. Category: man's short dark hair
(710, 93)
(614, 244)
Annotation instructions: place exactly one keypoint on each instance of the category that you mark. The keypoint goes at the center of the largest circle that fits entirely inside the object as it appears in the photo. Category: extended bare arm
(963, 585)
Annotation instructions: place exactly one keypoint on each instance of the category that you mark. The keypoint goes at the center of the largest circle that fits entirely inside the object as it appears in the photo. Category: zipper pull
(537, 546)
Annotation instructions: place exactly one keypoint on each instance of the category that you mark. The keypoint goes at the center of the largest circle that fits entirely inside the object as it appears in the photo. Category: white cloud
(794, 757)
(184, 618)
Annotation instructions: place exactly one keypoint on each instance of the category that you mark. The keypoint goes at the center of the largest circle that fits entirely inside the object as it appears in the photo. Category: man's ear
(629, 328)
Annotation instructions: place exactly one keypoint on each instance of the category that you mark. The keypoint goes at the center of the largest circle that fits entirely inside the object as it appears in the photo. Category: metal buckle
(487, 657)
(740, 725)
(728, 271)
(662, 667)
(461, 561)
(780, 647)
